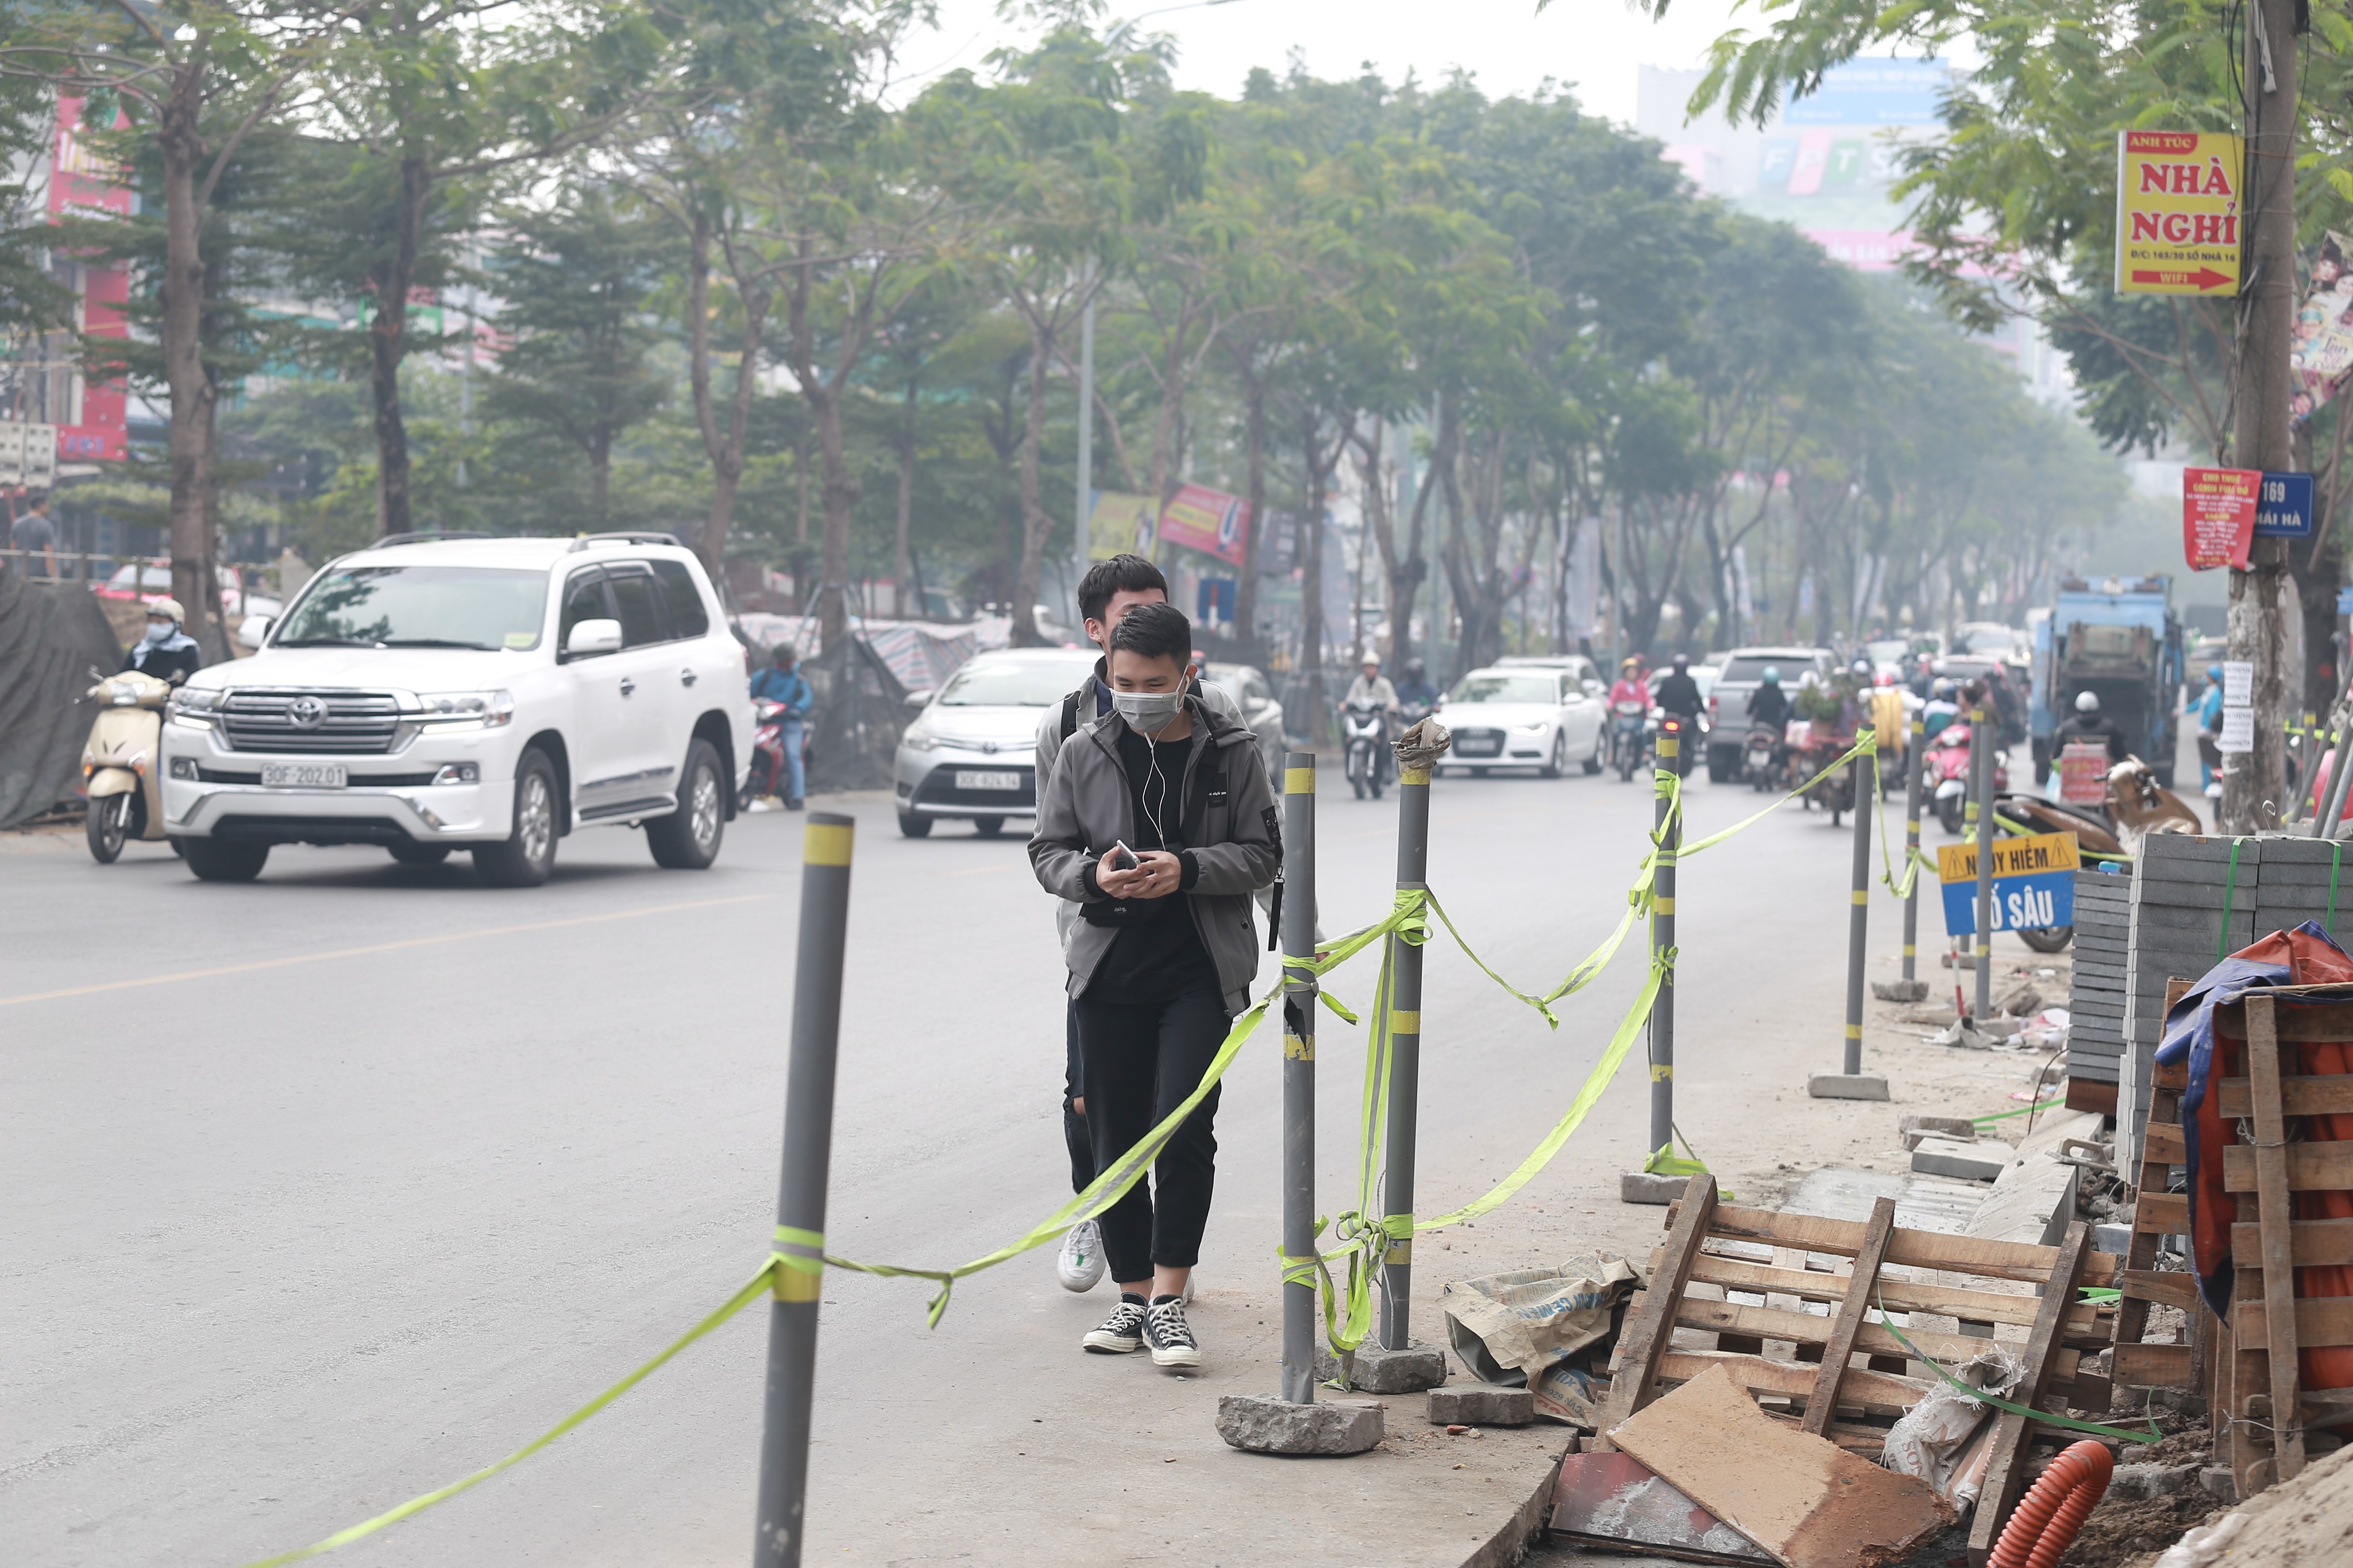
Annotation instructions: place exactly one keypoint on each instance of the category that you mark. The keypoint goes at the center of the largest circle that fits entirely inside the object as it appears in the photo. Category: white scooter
(121, 762)
(1364, 730)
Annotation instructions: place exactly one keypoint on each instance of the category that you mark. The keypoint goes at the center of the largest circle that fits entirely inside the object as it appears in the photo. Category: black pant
(1074, 1125)
(1140, 1060)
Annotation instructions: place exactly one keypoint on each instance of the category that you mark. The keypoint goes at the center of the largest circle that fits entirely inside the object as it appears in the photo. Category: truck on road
(2121, 640)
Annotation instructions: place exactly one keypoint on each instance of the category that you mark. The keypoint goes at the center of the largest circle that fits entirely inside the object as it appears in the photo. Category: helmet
(783, 654)
(2087, 702)
(1629, 662)
(1772, 676)
(1861, 668)
(1943, 690)
(170, 608)
(1884, 678)
(2213, 673)
(1416, 668)
(1371, 658)
(1683, 662)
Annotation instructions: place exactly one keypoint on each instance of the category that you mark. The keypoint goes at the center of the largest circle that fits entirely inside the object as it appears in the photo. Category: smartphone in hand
(1122, 859)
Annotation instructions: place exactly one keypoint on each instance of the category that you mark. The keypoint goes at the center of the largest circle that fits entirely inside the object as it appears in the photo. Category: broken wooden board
(1804, 1499)
(1615, 1500)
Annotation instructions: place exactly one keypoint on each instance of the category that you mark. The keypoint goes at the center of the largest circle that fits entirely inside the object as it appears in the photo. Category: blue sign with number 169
(2284, 507)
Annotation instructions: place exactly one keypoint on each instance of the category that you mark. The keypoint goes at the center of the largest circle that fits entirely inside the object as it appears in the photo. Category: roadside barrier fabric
(796, 1256)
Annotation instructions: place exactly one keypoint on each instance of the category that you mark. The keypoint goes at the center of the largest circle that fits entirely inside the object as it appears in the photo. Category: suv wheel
(415, 854)
(528, 853)
(988, 827)
(913, 826)
(687, 838)
(1722, 764)
(224, 860)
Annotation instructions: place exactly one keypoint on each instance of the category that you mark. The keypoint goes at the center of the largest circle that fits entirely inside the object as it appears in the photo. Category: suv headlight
(194, 706)
(449, 712)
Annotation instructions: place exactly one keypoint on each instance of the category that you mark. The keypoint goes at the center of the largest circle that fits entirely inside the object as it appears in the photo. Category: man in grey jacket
(1159, 823)
(1108, 591)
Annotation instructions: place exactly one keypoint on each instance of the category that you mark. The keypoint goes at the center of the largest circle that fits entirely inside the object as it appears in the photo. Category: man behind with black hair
(1108, 591)
(1159, 823)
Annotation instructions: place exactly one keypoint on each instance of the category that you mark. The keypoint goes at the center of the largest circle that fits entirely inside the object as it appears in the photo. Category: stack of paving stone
(2181, 886)
(2095, 1000)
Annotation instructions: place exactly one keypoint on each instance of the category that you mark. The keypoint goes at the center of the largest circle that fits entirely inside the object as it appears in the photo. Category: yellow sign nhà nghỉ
(2178, 212)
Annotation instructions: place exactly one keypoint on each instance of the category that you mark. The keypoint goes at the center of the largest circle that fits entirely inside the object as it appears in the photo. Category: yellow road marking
(402, 945)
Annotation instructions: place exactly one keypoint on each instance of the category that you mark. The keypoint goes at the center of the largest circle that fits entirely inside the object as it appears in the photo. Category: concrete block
(1959, 1127)
(2140, 1482)
(1846, 1085)
(1266, 1426)
(1369, 1369)
(1374, 1370)
(2116, 1239)
(1966, 1162)
(1481, 1405)
(1641, 1187)
(1900, 990)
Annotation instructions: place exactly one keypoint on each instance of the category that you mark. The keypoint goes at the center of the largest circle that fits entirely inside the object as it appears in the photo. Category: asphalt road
(320, 1193)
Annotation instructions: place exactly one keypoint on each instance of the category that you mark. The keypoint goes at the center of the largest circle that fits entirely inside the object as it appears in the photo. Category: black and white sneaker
(1168, 1334)
(1123, 1332)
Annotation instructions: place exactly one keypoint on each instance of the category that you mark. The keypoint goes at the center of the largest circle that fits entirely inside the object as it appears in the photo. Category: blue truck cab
(2120, 639)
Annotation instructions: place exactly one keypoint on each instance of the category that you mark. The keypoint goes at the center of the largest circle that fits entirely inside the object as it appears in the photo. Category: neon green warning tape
(1982, 1397)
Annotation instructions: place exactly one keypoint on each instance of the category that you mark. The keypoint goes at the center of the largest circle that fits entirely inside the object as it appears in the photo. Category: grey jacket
(1231, 849)
(1050, 746)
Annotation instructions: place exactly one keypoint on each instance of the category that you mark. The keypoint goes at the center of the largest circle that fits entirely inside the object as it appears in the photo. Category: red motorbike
(768, 774)
(1945, 773)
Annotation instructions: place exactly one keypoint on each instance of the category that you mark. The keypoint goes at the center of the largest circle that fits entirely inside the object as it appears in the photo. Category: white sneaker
(1079, 1265)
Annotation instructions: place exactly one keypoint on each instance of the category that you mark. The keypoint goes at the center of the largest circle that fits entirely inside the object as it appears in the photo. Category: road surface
(323, 1191)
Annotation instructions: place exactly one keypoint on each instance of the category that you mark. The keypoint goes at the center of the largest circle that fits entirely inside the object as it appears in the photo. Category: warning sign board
(2033, 883)
(2178, 212)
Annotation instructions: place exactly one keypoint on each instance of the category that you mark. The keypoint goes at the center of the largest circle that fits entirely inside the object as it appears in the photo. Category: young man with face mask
(1166, 951)
(1108, 591)
(166, 652)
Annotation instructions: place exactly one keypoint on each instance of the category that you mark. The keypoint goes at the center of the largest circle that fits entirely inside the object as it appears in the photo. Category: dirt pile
(2306, 1523)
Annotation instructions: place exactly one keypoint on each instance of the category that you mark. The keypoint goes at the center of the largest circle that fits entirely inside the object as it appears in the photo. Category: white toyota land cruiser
(432, 693)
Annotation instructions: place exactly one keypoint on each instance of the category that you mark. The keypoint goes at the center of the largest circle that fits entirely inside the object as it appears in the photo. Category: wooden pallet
(2157, 1214)
(1819, 1386)
(2262, 1401)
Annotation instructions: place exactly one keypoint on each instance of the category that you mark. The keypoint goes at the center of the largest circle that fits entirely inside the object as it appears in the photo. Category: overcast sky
(1593, 46)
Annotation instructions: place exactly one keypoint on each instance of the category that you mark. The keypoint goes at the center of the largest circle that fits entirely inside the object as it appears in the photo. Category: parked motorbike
(2095, 835)
(122, 764)
(1757, 756)
(1945, 774)
(1629, 736)
(1364, 731)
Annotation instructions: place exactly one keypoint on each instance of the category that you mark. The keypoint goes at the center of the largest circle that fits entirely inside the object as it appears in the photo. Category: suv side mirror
(600, 636)
(918, 701)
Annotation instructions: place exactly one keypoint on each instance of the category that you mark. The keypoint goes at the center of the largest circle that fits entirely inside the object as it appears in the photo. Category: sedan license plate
(972, 778)
(302, 776)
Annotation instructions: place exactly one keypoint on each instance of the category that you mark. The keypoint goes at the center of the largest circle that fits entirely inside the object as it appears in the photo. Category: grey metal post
(1981, 744)
(1857, 925)
(2341, 721)
(800, 1198)
(1663, 937)
(1913, 754)
(1298, 1072)
(1405, 1059)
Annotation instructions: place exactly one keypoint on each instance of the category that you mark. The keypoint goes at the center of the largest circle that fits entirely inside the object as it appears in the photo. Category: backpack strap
(1070, 711)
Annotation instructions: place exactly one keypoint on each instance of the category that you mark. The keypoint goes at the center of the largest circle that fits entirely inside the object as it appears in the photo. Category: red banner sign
(2218, 516)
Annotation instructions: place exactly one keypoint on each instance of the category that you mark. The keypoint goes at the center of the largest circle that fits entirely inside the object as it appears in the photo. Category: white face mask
(1147, 712)
(161, 631)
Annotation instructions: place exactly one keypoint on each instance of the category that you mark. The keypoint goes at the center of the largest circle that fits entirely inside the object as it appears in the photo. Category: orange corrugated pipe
(2045, 1523)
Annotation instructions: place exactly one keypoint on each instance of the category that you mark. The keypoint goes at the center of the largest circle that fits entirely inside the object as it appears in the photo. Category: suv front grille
(342, 723)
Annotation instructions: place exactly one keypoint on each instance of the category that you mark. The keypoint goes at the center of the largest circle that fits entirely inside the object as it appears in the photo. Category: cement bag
(1510, 1328)
(1934, 1437)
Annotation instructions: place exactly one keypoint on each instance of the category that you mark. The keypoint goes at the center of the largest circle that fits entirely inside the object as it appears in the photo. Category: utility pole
(2255, 784)
(1084, 511)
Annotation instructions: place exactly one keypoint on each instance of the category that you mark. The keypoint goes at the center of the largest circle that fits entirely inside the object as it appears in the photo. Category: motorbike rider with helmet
(1679, 694)
(1630, 685)
(1942, 707)
(166, 652)
(782, 683)
(1416, 690)
(1768, 704)
(1371, 686)
(2088, 724)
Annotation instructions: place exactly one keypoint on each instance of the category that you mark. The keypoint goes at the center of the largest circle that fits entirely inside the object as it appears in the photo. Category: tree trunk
(600, 478)
(1034, 522)
(1254, 480)
(183, 331)
(389, 345)
(724, 448)
(841, 493)
(1311, 583)
(902, 564)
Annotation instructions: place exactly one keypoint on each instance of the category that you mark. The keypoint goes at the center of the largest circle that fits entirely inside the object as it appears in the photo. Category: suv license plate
(302, 776)
(968, 778)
